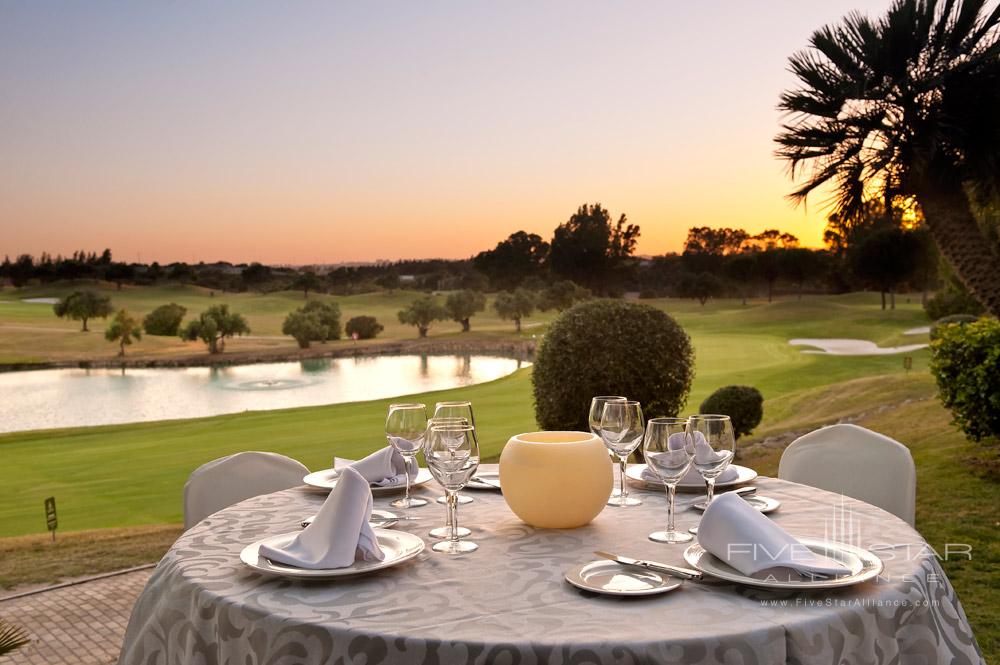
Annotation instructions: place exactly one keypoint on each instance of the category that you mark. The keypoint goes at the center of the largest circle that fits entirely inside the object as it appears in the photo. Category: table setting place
(734, 541)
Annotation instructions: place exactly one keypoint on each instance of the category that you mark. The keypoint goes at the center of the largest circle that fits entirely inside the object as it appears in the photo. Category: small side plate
(763, 504)
(398, 546)
(326, 480)
(492, 483)
(614, 579)
(744, 475)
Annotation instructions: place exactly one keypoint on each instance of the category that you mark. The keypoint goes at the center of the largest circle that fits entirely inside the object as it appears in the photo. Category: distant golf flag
(50, 516)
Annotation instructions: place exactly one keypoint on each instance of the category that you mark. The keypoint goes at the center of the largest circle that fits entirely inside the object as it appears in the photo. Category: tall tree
(123, 329)
(521, 255)
(214, 326)
(83, 306)
(906, 105)
(885, 259)
(589, 248)
(307, 281)
(421, 313)
(462, 305)
(515, 305)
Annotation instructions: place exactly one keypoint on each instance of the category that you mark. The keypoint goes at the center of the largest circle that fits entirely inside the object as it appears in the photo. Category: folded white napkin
(735, 532)
(702, 453)
(339, 534)
(383, 468)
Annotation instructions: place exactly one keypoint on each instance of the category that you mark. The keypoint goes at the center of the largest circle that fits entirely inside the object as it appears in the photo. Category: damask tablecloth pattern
(508, 602)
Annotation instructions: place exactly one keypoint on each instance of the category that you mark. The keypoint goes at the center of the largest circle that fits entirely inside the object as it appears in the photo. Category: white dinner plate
(613, 579)
(398, 546)
(763, 504)
(326, 480)
(862, 564)
(743, 475)
(492, 479)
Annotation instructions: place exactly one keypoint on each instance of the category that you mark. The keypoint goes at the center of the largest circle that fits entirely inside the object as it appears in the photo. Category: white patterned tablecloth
(508, 603)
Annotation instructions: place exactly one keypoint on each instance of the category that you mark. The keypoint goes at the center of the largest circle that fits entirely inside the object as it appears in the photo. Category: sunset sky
(325, 132)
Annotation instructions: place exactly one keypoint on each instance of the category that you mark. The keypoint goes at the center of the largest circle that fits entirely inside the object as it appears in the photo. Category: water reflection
(79, 397)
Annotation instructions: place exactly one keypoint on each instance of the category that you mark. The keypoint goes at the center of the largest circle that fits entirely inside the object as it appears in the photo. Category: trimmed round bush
(964, 361)
(164, 320)
(610, 347)
(743, 404)
(367, 327)
(960, 319)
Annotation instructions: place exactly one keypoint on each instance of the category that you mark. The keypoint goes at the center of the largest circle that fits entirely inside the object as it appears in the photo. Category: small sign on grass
(50, 516)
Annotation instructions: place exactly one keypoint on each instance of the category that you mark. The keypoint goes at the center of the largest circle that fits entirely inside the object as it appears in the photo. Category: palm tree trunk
(962, 243)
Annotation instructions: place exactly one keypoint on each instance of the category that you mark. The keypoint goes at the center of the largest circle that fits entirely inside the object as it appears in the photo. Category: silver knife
(483, 481)
(684, 573)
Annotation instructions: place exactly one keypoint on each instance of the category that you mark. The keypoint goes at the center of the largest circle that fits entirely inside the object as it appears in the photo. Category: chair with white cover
(856, 462)
(222, 482)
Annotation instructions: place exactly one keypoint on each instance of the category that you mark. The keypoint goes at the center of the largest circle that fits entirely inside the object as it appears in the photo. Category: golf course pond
(43, 399)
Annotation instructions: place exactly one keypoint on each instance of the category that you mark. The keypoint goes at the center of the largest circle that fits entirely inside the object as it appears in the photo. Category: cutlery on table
(483, 481)
(676, 571)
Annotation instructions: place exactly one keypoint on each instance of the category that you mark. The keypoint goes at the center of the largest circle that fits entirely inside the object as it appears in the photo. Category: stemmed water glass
(445, 531)
(452, 455)
(714, 448)
(621, 430)
(594, 418)
(405, 428)
(457, 409)
(669, 452)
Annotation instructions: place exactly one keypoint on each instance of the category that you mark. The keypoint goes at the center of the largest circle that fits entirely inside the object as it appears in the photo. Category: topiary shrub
(610, 347)
(743, 404)
(960, 319)
(965, 361)
(164, 320)
(366, 327)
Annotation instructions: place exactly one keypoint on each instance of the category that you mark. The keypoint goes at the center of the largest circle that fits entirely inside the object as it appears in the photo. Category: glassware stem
(406, 497)
(710, 482)
(453, 515)
(622, 486)
(671, 493)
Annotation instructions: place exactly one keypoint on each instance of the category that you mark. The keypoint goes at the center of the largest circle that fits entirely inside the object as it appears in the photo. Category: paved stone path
(79, 624)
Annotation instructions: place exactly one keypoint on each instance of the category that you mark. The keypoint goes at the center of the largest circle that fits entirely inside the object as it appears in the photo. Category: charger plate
(744, 475)
(862, 564)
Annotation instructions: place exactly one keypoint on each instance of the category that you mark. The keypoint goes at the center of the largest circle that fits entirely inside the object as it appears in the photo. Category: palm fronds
(11, 637)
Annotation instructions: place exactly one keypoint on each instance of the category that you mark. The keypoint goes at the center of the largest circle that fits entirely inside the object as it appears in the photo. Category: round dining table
(509, 603)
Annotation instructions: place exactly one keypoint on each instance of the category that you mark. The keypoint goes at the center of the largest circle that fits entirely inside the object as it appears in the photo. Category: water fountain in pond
(269, 384)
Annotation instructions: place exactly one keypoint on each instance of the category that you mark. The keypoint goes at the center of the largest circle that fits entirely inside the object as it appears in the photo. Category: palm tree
(123, 329)
(11, 637)
(906, 106)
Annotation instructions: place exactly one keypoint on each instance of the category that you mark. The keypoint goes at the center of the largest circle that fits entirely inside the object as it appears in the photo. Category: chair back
(856, 462)
(222, 482)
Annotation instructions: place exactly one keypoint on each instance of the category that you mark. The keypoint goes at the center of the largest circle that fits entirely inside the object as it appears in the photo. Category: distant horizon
(332, 134)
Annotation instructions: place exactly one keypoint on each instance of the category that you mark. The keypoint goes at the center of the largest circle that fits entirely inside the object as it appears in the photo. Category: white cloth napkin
(383, 468)
(702, 453)
(735, 532)
(340, 533)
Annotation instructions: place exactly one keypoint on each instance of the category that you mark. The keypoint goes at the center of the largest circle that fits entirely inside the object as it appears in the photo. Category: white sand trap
(922, 330)
(852, 347)
(40, 301)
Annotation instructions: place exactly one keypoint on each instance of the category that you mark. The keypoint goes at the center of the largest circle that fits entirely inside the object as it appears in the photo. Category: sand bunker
(922, 330)
(852, 347)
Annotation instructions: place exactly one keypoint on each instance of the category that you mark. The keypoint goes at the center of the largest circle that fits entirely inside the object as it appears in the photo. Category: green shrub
(304, 327)
(951, 301)
(328, 314)
(610, 347)
(367, 327)
(164, 320)
(743, 404)
(965, 360)
(960, 319)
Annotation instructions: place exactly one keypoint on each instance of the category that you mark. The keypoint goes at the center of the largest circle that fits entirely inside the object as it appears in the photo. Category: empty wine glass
(445, 531)
(669, 452)
(457, 409)
(405, 428)
(714, 448)
(621, 430)
(594, 418)
(452, 455)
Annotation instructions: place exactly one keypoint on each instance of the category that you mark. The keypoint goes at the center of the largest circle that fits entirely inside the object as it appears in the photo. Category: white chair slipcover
(222, 482)
(856, 462)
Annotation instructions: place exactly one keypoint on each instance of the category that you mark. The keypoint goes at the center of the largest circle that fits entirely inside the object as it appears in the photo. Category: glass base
(670, 537)
(454, 547)
(693, 529)
(445, 532)
(462, 499)
(626, 502)
(413, 502)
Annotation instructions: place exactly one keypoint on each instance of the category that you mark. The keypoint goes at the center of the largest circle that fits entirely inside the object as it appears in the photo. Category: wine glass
(714, 448)
(457, 409)
(596, 411)
(452, 455)
(669, 452)
(445, 531)
(621, 430)
(405, 428)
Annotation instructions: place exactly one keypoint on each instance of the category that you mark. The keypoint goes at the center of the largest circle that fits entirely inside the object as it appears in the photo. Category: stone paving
(78, 624)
